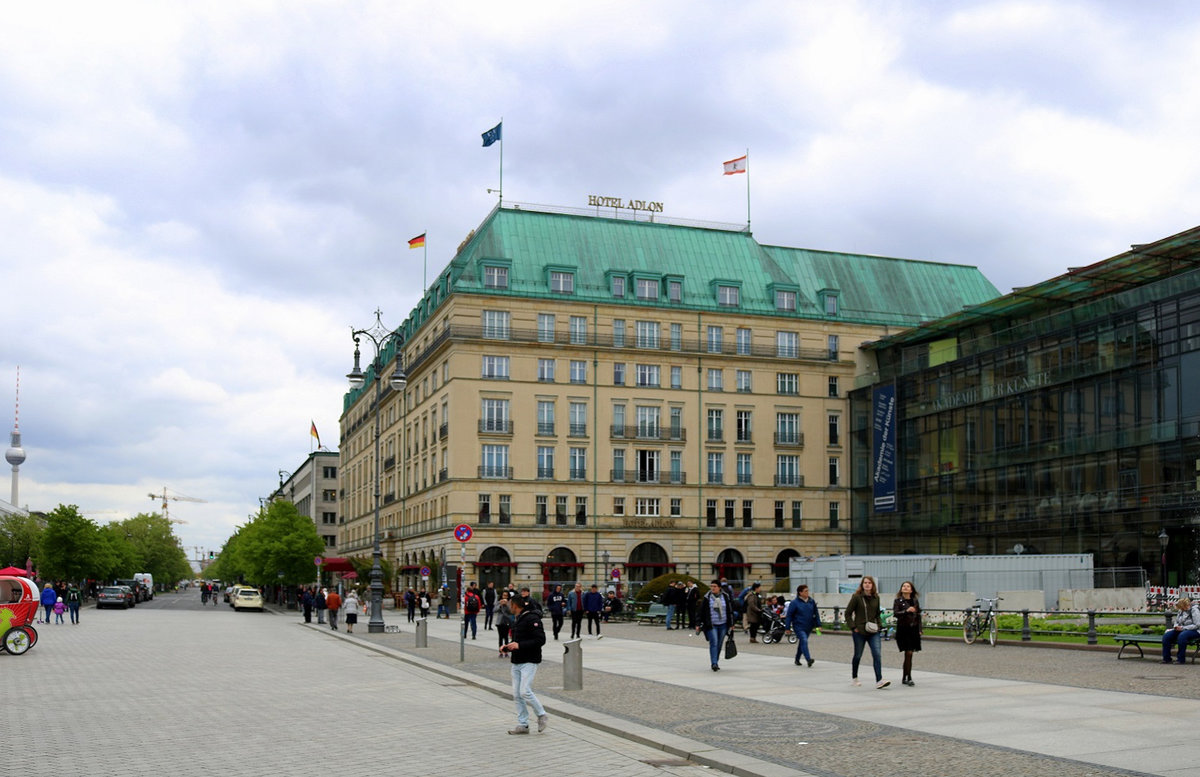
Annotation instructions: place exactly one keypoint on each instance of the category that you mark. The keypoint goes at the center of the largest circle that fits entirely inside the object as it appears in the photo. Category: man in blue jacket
(593, 603)
(803, 618)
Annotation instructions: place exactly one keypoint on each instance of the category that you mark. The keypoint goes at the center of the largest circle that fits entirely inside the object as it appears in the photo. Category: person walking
(423, 602)
(350, 605)
(410, 602)
(306, 602)
(471, 607)
(503, 621)
(575, 607)
(593, 603)
(48, 598)
(489, 604)
(319, 604)
(556, 603)
(333, 603)
(73, 601)
(59, 608)
(1185, 630)
(525, 647)
(753, 609)
(714, 615)
(803, 618)
(692, 601)
(862, 618)
(444, 602)
(670, 600)
(907, 610)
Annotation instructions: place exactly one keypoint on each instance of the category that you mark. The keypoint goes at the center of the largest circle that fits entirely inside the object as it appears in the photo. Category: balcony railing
(443, 431)
(578, 473)
(545, 473)
(716, 435)
(648, 432)
(789, 480)
(644, 476)
(389, 462)
(545, 428)
(789, 438)
(489, 471)
(577, 430)
(744, 437)
(495, 426)
(443, 473)
(745, 479)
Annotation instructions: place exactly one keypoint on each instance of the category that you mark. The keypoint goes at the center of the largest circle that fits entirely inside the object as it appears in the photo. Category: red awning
(562, 564)
(337, 565)
(494, 563)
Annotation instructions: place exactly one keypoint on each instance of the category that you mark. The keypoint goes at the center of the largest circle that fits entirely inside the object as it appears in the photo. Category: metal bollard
(573, 665)
(1025, 635)
(837, 625)
(1091, 632)
(422, 632)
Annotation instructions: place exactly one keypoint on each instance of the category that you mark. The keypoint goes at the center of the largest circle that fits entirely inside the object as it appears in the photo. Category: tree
(277, 546)
(20, 537)
(154, 546)
(72, 546)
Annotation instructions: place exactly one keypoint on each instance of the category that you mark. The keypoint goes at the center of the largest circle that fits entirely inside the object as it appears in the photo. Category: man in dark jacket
(489, 604)
(670, 599)
(593, 603)
(527, 637)
(556, 602)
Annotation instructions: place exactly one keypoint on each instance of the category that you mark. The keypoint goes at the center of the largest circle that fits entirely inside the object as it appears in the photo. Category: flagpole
(501, 161)
(747, 189)
(424, 263)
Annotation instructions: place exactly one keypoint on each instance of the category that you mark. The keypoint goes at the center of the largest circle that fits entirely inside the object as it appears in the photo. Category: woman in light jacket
(862, 618)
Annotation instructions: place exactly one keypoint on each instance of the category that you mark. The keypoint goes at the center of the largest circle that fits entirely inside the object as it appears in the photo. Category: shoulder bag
(730, 646)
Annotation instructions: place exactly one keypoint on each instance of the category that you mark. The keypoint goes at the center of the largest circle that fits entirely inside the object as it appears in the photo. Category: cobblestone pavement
(170, 689)
(822, 743)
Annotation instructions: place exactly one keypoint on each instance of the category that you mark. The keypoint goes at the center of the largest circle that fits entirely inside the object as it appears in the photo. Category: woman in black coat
(907, 610)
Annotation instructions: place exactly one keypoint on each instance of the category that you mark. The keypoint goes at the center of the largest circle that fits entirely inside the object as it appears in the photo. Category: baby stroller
(774, 629)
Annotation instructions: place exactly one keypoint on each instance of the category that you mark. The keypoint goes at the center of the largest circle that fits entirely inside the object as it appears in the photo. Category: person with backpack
(319, 604)
(73, 599)
(472, 604)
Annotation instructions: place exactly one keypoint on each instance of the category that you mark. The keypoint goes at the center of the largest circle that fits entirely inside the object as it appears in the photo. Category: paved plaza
(172, 689)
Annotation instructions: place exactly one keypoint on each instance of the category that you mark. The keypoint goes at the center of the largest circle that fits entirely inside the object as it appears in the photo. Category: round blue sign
(462, 532)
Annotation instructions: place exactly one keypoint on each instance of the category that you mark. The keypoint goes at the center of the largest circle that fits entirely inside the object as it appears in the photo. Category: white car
(247, 599)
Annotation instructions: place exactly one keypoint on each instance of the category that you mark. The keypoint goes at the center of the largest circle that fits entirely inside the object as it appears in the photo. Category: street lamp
(1163, 539)
(380, 336)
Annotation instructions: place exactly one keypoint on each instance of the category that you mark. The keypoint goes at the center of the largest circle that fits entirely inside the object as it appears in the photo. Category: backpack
(472, 605)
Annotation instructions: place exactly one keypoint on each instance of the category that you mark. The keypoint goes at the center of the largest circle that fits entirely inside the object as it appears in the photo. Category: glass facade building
(1062, 418)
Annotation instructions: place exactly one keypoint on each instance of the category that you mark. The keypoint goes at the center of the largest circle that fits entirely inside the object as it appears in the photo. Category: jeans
(576, 623)
(716, 641)
(670, 615)
(556, 620)
(522, 679)
(593, 617)
(469, 621)
(49, 611)
(441, 610)
(74, 608)
(802, 645)
(320, 614)
(1178, 639)
(859, 641)
(488, 609)
(333, 619)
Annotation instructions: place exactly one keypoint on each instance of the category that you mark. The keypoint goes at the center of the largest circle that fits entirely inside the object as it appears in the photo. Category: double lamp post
(380, 336)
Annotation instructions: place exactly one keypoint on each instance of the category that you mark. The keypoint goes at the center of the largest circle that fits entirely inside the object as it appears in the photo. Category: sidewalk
(1118, 732)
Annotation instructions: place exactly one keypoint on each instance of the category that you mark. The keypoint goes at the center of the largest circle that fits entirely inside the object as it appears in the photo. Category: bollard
(1025, 636)
(422, 632)
(837, 626)
(1091, 632)
(573, 665)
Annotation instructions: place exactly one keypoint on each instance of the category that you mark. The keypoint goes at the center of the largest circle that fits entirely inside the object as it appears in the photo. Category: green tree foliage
(73, 547)
(362, 565)
(154, 547)
(20, 538)
(277, 540)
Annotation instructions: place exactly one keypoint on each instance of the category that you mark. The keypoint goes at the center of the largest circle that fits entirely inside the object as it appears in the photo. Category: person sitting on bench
(1186, 629)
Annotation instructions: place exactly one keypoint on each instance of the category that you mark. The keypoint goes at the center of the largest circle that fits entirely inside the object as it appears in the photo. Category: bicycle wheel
(992, 630)
(969, 631)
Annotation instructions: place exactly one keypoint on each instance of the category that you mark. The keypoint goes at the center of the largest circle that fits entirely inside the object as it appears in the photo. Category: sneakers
(908, 681)
(519, 730)
(543, 721)
(599, 636)
(879, 686)
(811, 662)
(854, 681)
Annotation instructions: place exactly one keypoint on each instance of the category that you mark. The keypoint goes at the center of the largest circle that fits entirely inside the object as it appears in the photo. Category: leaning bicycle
(978, 621)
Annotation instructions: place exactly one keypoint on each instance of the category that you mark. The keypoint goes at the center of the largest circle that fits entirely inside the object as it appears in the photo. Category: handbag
(871, 627)
(730, 647)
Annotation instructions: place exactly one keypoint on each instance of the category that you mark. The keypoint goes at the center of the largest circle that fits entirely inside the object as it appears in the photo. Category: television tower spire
(15, 455)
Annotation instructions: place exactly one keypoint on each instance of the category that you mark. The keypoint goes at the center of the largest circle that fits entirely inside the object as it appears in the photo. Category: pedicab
(19, 603)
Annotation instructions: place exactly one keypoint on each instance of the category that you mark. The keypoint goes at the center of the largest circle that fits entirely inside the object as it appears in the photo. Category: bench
(656, 613)
(1137, 640)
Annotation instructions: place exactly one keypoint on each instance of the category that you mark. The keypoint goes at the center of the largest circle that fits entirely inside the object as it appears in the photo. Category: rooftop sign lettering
(597, 201)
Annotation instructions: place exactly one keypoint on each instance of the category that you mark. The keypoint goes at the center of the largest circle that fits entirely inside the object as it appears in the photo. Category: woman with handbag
(862, 618)
(908, 626)
(714, 614)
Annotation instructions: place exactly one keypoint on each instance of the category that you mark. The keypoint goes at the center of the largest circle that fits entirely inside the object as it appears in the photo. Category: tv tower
(15, 455)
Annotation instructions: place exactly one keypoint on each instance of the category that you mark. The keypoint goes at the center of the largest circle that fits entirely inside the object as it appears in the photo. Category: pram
(774, 629)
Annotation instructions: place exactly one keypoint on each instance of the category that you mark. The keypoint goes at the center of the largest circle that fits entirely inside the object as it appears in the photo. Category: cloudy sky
(197, 201)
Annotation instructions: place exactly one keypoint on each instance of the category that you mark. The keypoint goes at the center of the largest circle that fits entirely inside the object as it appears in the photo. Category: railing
(790, 438)
(578, 473)
(577, 430)
(648, 432)
(443, 431)
(639, 476)
(789, 480)
(545, 428)
(545, 473)
(389, 462)
(495, 426)
(495, 472)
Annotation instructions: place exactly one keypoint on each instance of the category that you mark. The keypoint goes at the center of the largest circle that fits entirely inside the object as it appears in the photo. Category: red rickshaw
(19, 603)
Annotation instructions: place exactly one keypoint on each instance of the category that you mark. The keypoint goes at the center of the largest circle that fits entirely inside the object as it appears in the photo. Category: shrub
(654, 589)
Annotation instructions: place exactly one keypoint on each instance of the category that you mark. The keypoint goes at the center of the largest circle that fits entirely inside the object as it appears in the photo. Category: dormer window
(647, 289)
(562, 282)
(829, 301)
(495, 277)
(675, 291)
(728, 296)
(618, 286)
(785, 301)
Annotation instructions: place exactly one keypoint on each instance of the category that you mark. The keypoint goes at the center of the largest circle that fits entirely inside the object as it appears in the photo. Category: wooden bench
(1137, 640)
(656, 613)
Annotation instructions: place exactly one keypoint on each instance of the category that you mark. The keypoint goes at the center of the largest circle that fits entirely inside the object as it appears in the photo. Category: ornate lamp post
(380, 336)
(1163, 539)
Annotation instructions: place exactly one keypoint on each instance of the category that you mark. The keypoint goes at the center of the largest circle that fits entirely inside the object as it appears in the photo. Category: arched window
(730, 564)
(646, 562)
(562, 567)
(782, 566)
(494, 566)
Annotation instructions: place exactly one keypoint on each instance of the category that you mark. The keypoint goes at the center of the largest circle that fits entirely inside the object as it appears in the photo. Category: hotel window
(618, 373)
(560, 510)
(545, 462)
(579, 464)
(831, 304)
(562, 282)
(747, 513)
(787, 428)
(745, 338)
(833, 385)
(716, 425)
(505, 509)
(618, 505)
(495, 462)
(619, 465)
(778, 514)
(618, 286)
(730, 506)
(716, 379)
(546, 370)
(832, 343)
(797, 513)
(647, 507)
(785, 300)
(743, 381)
(676, 423)
(495, 277)
(676, 337)
(834, 470)
(545, 416)
(541, 502)
(545, 327)
(727, 296)
(744, 418)
(834, 510)
(647, 375)
(676, 507)
(647, 289)
(581, 511)
(618, 333)
(716, 468)
(744, 476)
(676, 466)
(834, 431)
(715, 334)
(648, 466)
(578, 330)
(675, 291)
(647, 417)
(495, 324)
(495, 416)
(577, 418)
(495, 367)
(485, 508)
(676, 377)
(618, 419)
(787, 383)
(787, 470)
(578, 371)
(647, 334)
(710, 513)
(787, 345)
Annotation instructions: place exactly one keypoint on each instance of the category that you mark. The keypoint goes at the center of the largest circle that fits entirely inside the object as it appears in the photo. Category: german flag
(418, 241)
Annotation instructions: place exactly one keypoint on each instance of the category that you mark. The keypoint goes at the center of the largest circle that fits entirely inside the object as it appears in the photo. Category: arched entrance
(782, 566)
(561, 567)
(646, 562)
(731, 565)
(494, 566)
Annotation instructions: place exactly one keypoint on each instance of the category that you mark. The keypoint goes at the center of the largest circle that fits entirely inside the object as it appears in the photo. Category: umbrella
(14, 571)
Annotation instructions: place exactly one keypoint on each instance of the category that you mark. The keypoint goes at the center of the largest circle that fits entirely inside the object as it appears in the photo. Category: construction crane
(178, 498)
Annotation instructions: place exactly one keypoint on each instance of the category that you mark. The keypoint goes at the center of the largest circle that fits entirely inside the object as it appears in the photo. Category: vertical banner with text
(883, 448)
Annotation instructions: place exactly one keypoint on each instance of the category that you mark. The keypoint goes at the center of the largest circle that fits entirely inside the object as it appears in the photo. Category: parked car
(248, 599)
(114, 596)
(140, 593)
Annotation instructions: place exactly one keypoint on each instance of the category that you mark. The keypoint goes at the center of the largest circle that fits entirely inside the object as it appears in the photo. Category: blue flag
(492, 135)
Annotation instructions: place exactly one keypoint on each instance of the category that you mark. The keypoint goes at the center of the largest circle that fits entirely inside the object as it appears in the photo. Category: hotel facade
(605, 400)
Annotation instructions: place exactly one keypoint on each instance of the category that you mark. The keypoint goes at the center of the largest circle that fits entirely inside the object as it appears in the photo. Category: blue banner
(492, 135)
(883, 448)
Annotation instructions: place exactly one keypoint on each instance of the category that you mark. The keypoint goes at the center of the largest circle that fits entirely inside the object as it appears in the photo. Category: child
(59, 609)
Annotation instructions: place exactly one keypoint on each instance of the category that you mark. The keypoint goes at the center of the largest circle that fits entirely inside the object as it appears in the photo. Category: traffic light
(211, 554)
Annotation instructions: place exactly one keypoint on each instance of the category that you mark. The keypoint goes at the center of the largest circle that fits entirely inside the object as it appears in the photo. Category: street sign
(616, 574)
(462, 532)
(426, 571)
(318, 561)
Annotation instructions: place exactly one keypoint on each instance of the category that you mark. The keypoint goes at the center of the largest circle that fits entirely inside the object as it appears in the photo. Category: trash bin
(573, 665)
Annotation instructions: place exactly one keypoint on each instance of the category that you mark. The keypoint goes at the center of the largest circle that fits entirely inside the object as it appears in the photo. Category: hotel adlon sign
(598, 201)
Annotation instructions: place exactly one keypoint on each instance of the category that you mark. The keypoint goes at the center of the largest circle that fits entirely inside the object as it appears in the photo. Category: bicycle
(978, 621)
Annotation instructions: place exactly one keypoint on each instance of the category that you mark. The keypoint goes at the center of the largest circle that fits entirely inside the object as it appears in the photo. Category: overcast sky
(197, 200)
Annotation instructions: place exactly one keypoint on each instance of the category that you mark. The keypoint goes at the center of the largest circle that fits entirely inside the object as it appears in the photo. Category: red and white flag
(735, 166)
